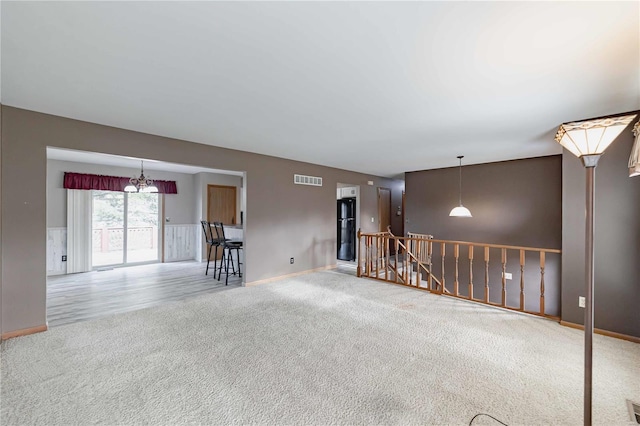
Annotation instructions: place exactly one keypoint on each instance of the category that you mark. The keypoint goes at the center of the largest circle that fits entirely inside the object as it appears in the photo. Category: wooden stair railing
(402, 266)
(413, 257)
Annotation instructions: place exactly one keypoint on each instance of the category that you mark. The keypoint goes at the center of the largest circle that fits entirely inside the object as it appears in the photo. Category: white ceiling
(376, 87)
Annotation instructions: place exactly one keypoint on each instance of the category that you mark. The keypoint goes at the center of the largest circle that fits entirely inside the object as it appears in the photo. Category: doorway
(384, 209)
(348, 222)
(221, 207)
(124, 228)
(221, 204)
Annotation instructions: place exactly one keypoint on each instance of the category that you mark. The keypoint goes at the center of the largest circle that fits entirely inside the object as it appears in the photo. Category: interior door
(221, 206)
(384, 208)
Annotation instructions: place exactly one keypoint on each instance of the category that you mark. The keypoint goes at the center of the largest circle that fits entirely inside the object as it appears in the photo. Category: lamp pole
(588, 139)
(590, 162)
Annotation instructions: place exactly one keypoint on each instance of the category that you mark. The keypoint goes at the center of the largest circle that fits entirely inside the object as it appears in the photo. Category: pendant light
(460, 211)
(141, 184)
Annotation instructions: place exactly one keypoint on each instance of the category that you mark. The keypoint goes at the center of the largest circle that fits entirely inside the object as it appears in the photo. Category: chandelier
(141, 184)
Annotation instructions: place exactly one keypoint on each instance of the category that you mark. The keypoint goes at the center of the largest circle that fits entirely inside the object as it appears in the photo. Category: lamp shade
(460, 211)
(591, 137)
(634, 158)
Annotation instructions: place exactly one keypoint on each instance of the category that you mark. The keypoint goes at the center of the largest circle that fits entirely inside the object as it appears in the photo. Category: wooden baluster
(359, 254)
(429, 253)
(470, 272)
(522, 280)
(377, 251)
(397, 279)
(372, 257)
(380, 255)
(418, 264)
(386, 258)
(442, 252)
(486, 275)
(406, 273)
(383, 269)
(389, 240)
(542, 262)
(456, 255)
(504, 277)
(409, 267)
(366, 255)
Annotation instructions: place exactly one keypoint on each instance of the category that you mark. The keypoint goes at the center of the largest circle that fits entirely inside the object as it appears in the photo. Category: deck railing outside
(111, 239)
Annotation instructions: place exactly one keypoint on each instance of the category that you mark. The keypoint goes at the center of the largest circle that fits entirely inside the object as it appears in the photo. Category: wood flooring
(80, 297)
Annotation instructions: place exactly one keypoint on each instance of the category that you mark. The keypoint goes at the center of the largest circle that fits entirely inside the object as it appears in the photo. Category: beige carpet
(324, 348)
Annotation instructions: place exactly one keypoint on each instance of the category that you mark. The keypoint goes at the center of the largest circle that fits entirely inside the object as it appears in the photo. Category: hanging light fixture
(587, 140)
(634, 158)
(460, 211)
(141, 184)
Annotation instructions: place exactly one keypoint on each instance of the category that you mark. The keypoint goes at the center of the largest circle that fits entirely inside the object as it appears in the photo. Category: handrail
(468, 243)
(404, 260)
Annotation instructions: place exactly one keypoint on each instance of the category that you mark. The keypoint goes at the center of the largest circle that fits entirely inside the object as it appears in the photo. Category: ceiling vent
(307, 180)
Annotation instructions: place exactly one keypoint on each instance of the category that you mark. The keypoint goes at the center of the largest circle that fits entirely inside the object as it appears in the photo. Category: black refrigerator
(347, 229)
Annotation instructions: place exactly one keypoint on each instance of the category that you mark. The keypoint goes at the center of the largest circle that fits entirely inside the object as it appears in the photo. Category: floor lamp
(588, 140)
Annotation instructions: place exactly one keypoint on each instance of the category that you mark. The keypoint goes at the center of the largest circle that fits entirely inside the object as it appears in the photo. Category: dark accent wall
(513, 203)
(1, 217)
(617, 240)
(282, 220)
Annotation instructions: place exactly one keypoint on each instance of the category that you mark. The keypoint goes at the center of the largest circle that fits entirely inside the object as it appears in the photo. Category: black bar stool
(227, 252)
(211, 242)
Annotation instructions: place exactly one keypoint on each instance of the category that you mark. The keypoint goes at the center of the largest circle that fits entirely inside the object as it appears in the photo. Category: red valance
(111, 183)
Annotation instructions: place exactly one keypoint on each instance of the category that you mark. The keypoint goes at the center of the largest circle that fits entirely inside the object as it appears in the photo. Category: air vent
(634, 411)
(307, 180)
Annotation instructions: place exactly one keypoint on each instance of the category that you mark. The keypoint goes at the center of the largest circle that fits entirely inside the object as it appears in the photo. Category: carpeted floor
(324, 348)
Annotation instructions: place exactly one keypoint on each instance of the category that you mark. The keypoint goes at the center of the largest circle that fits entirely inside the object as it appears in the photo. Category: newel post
(358, 272)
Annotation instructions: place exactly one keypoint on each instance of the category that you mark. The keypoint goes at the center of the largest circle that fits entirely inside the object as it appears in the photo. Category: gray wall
(513, 203)
(282, 220)
(617, 240)
(179, 207)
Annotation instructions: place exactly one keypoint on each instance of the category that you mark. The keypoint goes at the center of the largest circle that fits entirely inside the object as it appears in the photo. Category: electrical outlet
(508, 276)
(372, 220)
(581, 302)
(64, 257)
(291, 261)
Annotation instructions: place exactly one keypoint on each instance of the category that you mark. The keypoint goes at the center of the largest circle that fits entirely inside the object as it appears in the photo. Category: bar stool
(211, 242)
(227, 252)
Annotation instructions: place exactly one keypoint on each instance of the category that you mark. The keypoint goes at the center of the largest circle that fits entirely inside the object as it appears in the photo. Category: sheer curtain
(79, 230)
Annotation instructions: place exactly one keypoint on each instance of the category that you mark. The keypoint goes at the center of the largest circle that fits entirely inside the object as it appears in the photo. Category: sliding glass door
(142, 227)
(125, 228)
